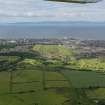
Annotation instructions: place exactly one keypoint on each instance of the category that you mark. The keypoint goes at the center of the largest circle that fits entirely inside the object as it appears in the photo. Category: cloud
(40, 10)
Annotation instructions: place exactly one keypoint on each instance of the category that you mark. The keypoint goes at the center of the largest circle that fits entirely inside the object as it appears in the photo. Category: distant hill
(56, 23)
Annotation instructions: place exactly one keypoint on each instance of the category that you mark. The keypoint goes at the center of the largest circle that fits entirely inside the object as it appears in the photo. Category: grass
(48, 82)
(96, 93)
(28, 91)
(87, 64)
(53, 51)
(32, 61)
(85, 79)
(92, 64)
(28, 86)
(59, 55)
(8, 58)
(4, 80)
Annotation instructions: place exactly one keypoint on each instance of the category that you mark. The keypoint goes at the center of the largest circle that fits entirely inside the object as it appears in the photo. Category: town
(86, 48)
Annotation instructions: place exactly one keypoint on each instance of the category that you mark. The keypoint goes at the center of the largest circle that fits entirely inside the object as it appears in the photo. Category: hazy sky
(40, 10)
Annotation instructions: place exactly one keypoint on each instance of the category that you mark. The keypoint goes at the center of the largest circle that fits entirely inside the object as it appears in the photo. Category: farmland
(43, 77)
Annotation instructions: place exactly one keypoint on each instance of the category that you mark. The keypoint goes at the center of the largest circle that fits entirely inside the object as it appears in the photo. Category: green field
(30, 80)
(29, 86)
(58, 55)
(85, 79)
(53, 51)
(93, 64)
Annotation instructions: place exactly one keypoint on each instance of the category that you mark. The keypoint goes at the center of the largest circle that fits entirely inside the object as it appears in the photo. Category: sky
(40, 10)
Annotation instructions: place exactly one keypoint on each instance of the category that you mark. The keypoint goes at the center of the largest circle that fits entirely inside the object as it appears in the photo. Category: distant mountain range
(56, 23)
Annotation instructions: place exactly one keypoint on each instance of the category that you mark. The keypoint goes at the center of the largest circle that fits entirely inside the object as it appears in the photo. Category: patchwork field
(30, 80)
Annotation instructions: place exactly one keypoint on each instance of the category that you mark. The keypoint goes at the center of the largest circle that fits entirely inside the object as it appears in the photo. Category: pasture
(38, 85)
(27, 79)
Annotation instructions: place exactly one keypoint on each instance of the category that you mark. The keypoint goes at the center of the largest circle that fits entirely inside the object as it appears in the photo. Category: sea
(80, 30)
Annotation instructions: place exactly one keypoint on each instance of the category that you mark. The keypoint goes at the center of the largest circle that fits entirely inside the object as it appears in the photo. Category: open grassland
(53, 51)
